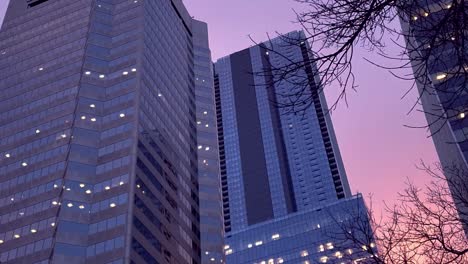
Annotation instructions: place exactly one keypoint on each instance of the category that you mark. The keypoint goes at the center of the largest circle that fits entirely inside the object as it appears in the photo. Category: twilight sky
(378, 152)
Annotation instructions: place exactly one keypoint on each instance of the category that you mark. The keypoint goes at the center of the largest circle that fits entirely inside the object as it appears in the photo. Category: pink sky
(378, 152)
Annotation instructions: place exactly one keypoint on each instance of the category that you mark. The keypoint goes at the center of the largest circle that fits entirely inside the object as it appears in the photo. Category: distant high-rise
(211, 207)
(283, 179)
(98, 151)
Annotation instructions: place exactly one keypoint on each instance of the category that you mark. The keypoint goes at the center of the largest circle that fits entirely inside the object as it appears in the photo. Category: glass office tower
(211, 208)
(98, 153)
(441, 74)
(280, 171)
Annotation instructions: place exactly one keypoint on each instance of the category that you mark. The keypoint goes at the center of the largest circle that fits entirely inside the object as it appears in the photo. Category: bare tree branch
(436, 49)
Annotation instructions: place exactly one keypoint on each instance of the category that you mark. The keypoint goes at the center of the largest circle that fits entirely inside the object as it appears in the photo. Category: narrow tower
(211, 208)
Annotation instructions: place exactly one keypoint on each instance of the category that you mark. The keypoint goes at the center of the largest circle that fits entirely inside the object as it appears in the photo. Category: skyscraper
(211, 208)
(283, 181)
(98, 146)
(440, 64)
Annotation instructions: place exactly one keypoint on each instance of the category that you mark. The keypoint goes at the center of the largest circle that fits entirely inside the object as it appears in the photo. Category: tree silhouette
(435, 34)
(424, 226)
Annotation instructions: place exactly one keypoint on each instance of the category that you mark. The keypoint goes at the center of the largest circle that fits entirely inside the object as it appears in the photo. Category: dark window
(32, 3)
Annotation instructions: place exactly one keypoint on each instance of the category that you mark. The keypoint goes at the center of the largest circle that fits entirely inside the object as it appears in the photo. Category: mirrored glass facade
(98, 158)
(278, 168)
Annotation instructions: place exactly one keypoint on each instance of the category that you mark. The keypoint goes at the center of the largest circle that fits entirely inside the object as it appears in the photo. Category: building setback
(211, 207)
(280, 172)
(98, 151)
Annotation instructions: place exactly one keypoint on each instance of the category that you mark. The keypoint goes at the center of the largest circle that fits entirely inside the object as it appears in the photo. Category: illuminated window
(350, 251)
(83, 117)
(275, 236)
(226, 247)
(329, 246)
(102, 76)
(249, 245)
(122, 115)
(92, 105)
(205, 113)
(159, 94)
(88, 191)
(258, 243)
(462, 115)
(364, 247)
(372, 245)
(112, 205)
(338, 254)
(304, 253)
(125, 73)
(88, 73)
(271, 261)
(33, 230)
(441, 76)
(200, 147)
(38, 131)
(206, 252)
(229, 251)
(107, 188)
(212, 259)
(16, 236)
(7, 155)
(324, 259)
(134, 70)
(70, 205)
(426, 14)
(280, 260)
(321, 248)
(415, 18)
(41, 69)
(24, 164)
(54, 202)
(207, 148)
(93, 119)
(81, 206)
(1, 241)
